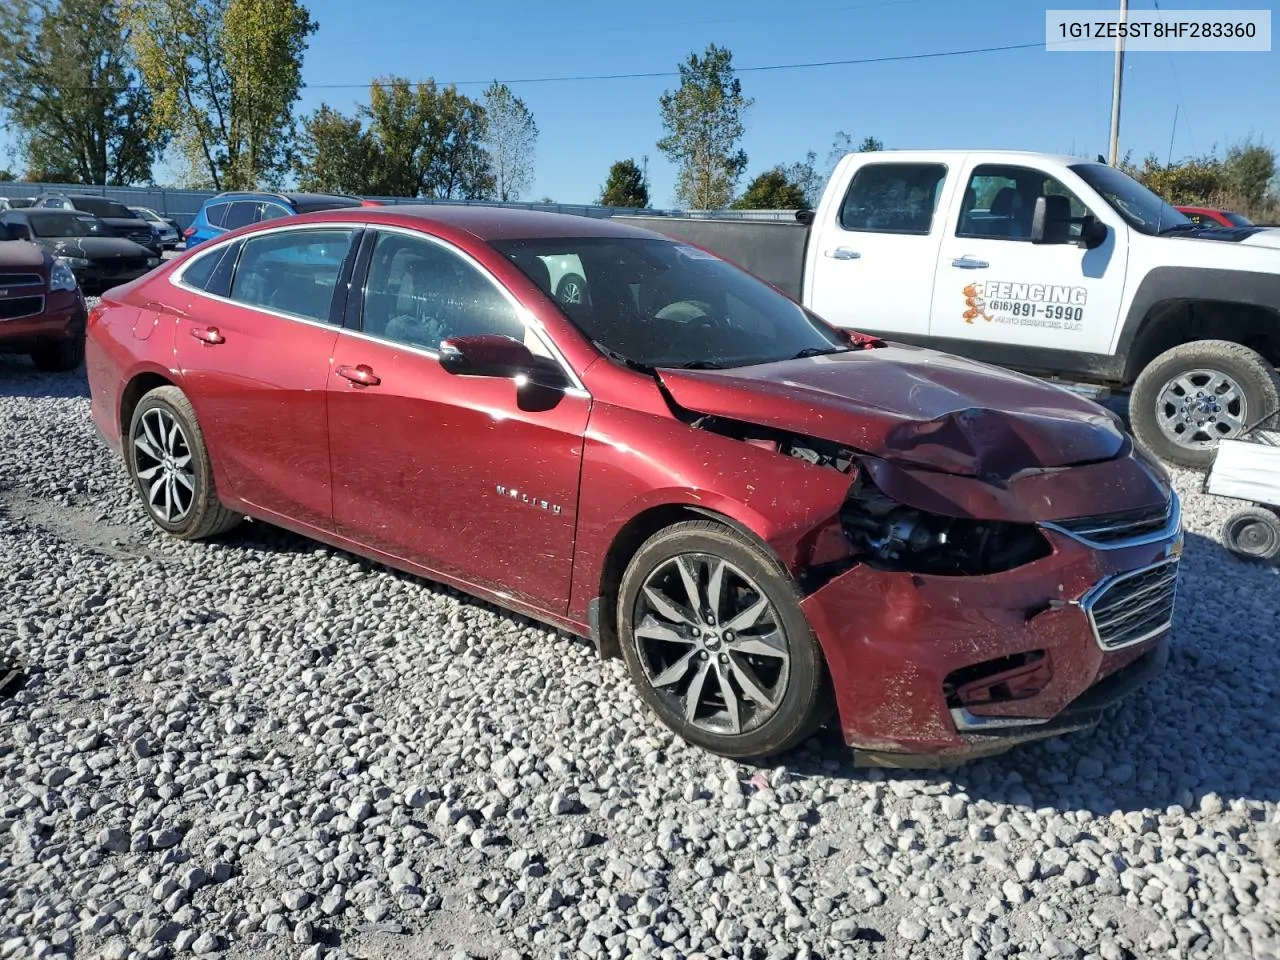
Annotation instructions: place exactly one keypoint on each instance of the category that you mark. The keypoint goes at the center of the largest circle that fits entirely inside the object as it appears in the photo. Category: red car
(1212, 217)
(767, 517)
(42, 308)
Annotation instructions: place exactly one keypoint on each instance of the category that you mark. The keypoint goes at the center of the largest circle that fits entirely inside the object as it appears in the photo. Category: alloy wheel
(163, 462)
(1198, 408)
(711, 644)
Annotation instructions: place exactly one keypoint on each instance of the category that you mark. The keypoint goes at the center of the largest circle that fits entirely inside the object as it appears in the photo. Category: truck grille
(1133, 607)
(10, 280)
(1123, 529)
(16, 308)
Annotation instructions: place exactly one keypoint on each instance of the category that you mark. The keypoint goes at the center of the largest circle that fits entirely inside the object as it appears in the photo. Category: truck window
(1000, 200)
(893, 198)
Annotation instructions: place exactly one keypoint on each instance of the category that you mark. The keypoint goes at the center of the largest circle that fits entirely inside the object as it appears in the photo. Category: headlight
(153, 261)
(61, 277)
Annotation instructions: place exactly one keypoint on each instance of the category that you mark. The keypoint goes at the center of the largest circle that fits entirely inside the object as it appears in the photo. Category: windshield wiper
(818, 352)
(615, 355)
(1180, 226)
(701, 365)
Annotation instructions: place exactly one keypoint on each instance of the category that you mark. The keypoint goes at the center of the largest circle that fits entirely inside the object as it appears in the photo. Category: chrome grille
(1123, 529)
(1133, 607)
(19, 307)
(10, 280)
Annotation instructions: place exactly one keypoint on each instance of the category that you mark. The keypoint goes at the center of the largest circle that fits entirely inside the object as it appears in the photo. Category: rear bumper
(896, 644)
(63, 319)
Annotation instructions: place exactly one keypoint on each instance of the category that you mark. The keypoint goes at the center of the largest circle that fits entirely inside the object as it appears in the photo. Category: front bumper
(63, 319)
(896, 642)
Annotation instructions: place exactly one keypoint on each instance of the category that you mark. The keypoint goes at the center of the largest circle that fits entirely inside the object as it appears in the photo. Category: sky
(1019, 99)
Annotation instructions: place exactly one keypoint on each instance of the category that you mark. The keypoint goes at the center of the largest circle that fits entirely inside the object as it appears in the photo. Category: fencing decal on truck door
(1059, 296)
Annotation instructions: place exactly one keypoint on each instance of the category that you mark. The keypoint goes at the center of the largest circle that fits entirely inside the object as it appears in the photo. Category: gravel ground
(267, 748)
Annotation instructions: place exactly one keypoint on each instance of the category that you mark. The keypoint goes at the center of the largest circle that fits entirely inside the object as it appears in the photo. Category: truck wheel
(1192, 396)
(1253, 533)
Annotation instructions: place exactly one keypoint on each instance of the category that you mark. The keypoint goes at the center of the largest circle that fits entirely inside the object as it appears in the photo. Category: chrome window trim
(1171, 529)
(1087, 602)
(576, 389)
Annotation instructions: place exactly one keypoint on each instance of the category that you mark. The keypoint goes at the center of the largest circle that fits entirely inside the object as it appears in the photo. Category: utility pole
(1116, 83)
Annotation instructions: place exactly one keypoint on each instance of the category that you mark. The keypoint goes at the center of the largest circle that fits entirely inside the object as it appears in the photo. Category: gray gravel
(267, 748)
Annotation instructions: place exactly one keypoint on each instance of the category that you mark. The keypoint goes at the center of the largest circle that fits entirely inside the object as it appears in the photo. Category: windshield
(147, 214)
(101, 207)
(1143, 210)
(665, 304)
(66, 225)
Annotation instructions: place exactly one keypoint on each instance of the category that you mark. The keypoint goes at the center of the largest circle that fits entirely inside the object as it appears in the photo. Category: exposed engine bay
(890, 535)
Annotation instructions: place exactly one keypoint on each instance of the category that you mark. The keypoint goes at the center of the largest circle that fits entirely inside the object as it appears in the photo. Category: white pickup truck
(1051, 265)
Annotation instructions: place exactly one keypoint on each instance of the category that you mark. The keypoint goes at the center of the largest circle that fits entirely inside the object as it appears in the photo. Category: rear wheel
(61, 356)
(170, 467)
(1196, 394)
(1253, 533)
(716, 642)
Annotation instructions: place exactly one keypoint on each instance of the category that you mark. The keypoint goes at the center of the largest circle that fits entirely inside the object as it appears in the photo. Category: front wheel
(717, 645)
(1253, 534)
(572, 289)
(170, 467)
(1194, 395)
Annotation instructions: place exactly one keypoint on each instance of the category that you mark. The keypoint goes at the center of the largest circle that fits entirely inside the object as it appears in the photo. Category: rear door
(254, 343)
(994, 286)
(877, 251)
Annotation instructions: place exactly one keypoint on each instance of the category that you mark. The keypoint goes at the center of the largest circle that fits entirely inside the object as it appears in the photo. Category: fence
(182, 205)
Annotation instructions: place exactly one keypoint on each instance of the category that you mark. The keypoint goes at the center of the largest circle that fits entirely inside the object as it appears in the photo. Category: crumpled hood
(98, 248)
(914, 406)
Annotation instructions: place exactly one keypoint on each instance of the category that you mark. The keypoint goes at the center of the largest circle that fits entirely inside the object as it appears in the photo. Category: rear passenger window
(241, 214)
(893, 198)
(293, 273)
(216, 213)
(200, 270)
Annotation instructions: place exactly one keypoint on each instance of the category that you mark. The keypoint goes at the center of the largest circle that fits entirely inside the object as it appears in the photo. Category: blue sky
(1024, 99)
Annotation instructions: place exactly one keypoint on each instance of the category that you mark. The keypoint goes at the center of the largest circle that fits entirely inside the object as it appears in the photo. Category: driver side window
(419, 293)
(1000, 200)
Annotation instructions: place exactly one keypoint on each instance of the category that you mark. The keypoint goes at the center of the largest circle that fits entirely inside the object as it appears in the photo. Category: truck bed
(771, 249)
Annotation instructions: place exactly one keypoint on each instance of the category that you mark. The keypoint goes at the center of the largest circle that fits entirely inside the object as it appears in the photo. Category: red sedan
(767, 517)
(1213, 217)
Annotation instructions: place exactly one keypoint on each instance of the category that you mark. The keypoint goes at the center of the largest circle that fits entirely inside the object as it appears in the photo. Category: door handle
(843, 253)
(208, 335)
(969, 263)
(362, 374)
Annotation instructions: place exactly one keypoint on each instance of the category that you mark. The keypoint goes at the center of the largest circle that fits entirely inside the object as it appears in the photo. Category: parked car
(42, 309)
(19, 203)
(167, 231)
(1213, 217)
(1045, 264)
(96, 257)
(761, 513)
(229, 211)
(119, 219)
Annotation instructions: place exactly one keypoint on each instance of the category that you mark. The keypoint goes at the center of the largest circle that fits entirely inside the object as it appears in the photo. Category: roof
(493, 223)
(291, 197)
(1004, 154)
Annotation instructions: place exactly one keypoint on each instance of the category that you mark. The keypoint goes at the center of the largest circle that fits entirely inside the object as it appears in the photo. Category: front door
(875, 260)
(995, 286)
(255, 362)
(472, 477)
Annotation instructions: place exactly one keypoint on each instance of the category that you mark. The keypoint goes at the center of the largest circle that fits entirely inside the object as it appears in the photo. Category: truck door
(877, 251)
(995, 287)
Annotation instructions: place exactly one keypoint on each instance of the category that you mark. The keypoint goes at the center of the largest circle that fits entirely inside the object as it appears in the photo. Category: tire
(1175, 434)
(572, 288)
(1253, 534)
(59, 357)
(196, 513)
(796, 686)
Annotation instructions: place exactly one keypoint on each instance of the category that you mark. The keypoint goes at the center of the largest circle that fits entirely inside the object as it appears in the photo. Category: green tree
(511, 140)
(6, 176)
(626, 186)
(1191, 181)
(1248, 171)
(772, 190)
(870, 145)
(70, 89)
(804, 174)
(335, 154)
(703, 118)
(225, 75)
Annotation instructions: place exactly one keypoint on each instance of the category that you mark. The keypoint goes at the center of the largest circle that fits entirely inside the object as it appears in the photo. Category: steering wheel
(691, 313)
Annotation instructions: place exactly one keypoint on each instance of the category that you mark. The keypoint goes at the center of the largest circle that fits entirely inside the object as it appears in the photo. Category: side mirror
(490, 355)
(1093, 232)
(1051, 222)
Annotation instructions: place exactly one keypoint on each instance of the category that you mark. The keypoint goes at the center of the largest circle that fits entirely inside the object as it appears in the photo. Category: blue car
(228, 211)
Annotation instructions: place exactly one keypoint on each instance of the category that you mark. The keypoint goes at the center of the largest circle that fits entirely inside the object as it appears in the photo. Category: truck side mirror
(1051, 222)
(1093, 232)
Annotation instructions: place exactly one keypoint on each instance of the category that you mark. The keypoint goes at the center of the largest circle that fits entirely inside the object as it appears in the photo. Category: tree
(772, 190)
(6, 176)
(1248, 171)
(842, 143)
(870, 145)
(225, 75)
(335, 154)
(511, 141)
(805, 176)
(626, 186)
(70, 88)
(704, 123)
